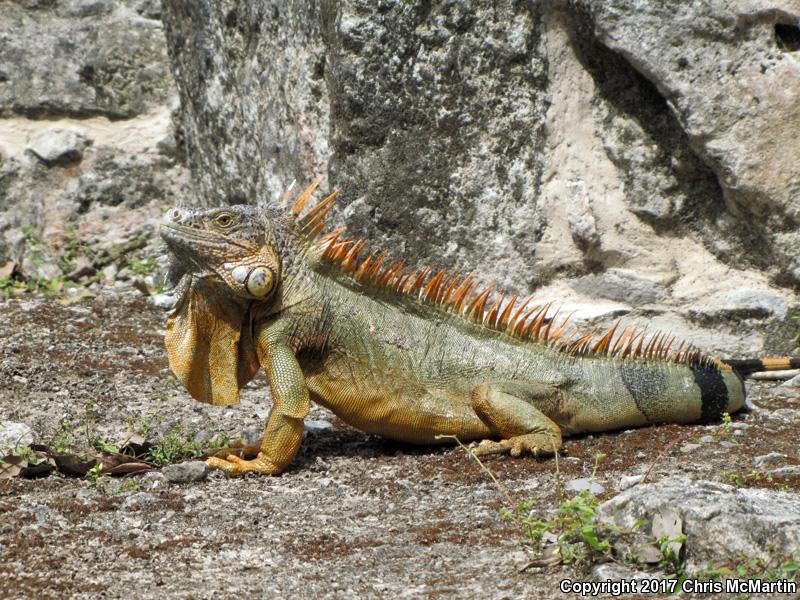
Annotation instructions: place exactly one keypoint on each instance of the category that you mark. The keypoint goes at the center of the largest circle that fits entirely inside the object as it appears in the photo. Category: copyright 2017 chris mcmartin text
(625, 587)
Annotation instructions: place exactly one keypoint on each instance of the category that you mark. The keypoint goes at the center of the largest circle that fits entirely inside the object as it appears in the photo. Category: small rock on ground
(186, 472)
(137, 500)
(584, 484)
(628, 481)
(765, 458)
(750, 522)
(785, 471)
(58, 146)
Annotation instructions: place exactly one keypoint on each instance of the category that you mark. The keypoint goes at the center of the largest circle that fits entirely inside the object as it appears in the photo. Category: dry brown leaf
(134, 444)
(111, 464)
(11, 466)
(38, 469)
(72, 464)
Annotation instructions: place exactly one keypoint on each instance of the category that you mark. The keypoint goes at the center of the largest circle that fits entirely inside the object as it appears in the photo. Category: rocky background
(624, 158)
(88, 157)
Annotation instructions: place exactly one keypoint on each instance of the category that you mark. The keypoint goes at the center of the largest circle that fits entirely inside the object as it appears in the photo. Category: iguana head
(234, 245)
(224, 262)
(227, 268)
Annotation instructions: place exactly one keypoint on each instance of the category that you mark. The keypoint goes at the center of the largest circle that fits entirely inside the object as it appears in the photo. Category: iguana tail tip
(747, 367)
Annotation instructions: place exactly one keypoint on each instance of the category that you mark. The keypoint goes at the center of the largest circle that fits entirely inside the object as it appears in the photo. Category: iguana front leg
(290, 405)
(510, 409)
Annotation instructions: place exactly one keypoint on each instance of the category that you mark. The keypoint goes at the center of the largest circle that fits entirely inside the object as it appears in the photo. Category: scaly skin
(258, 292)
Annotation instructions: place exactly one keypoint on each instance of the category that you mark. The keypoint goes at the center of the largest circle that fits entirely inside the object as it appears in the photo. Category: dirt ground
(355, 516)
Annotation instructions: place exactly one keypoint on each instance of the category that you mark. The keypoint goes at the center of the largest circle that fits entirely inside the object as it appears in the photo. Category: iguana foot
(537, 444)
(233, 465)
(509, 409)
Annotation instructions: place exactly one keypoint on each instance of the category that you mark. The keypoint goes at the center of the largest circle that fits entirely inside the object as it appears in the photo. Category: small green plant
(174, 446)
(11, 286)
(753, 567)
(161, 286)
(671, 562)
(74, 247)
(26, 453)
(141, 267)
(37, 253)
(786, 568)
(580, 538)
(754, 478)
(35, 245)
(81, 437)
(102, 482)
(103, 445)
(725, 430)
(93, 438)
(534, 527)
(144, 425)
(94, 474)
(128, 485)
(65, 440)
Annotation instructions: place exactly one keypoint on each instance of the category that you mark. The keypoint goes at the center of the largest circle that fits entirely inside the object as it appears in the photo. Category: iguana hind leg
(509, 409)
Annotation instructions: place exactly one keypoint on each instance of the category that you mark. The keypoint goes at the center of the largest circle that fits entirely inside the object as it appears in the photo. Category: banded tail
(747, 367)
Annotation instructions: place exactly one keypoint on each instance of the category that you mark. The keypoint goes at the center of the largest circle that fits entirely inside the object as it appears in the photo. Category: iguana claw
(233, 465)
(533, 443)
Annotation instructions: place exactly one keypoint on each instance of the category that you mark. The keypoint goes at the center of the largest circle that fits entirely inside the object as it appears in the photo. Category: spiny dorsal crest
(315, 220)
(459, 294)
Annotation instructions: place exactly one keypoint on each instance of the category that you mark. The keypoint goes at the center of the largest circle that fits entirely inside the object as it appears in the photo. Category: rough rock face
(80, 58)
(253, 75)
(621, 157)
(722, 523)
(730, 73)
(629, 151)
(88, 157)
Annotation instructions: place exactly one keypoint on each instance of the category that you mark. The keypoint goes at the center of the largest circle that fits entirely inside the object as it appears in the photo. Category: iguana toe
(490, 448)
(233, 465)
(537, 444)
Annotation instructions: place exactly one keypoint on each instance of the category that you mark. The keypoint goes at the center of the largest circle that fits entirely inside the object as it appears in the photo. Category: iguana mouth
(182, 242)
(181, 239)
(181, 236)
(177, 279)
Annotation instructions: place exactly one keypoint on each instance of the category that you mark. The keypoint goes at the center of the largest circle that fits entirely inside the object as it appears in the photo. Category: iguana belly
(411, 415)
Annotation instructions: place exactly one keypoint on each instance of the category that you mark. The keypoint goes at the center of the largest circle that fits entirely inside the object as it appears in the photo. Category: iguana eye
(224, 220)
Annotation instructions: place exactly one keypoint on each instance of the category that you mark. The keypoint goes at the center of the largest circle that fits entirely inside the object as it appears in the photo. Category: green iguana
(405, 353)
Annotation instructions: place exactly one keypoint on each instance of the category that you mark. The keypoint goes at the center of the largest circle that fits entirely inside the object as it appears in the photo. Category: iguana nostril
(175, 214)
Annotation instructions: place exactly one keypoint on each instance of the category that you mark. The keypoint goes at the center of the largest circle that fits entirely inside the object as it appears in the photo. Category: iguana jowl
(403, 353)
